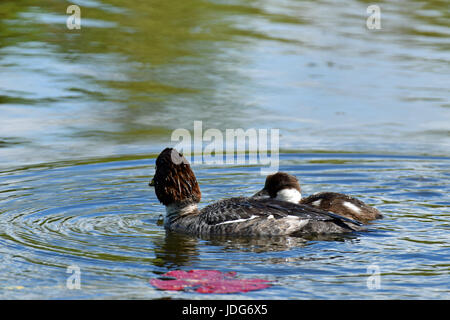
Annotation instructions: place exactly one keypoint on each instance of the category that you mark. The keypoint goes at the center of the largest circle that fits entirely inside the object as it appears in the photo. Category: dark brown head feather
(174, 180)
(280, 180)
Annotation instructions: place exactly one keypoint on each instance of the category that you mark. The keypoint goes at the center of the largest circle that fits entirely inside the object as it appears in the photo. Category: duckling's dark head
(174, 180)
(280, 181)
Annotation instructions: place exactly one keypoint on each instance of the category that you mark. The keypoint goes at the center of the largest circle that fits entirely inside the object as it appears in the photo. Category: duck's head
(174, 180)
(281, 186)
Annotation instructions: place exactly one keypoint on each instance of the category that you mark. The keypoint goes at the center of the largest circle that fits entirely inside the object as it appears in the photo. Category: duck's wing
(241, 209)
(305, 211)
(228, 210)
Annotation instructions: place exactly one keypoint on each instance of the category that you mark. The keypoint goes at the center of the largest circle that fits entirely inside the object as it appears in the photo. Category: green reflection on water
(138, 70)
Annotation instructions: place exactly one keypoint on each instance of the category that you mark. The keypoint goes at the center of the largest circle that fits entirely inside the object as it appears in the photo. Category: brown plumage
(335, 202)
(174, 180)
(338, 203)
(279, 181)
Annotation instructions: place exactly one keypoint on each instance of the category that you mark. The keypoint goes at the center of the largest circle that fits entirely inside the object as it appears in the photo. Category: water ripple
(103, 217)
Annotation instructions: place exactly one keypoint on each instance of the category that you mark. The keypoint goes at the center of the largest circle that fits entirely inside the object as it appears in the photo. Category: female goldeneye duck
(283, 186)
(176, 187)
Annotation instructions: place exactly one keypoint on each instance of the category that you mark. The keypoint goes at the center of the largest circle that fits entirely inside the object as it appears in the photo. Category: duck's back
(342, 204)
(261, 217)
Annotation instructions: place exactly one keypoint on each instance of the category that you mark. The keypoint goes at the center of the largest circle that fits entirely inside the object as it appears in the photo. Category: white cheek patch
(351, 206)
(289, 195)
(317, 203)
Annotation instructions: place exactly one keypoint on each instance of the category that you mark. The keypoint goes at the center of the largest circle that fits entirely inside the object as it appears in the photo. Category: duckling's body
(343, 205)
(285, 187)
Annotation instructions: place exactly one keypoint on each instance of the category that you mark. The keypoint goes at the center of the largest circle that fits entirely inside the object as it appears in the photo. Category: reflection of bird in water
(273, 243)
(175, 250)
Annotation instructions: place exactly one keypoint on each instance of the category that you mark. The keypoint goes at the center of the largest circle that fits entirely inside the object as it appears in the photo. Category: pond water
(84, 113)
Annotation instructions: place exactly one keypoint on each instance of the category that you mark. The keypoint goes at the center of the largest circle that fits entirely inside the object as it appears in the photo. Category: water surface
(84, 113)
(101, 216)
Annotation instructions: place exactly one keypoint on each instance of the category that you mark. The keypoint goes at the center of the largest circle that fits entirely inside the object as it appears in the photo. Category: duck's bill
(152, 183)
(261, 193)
